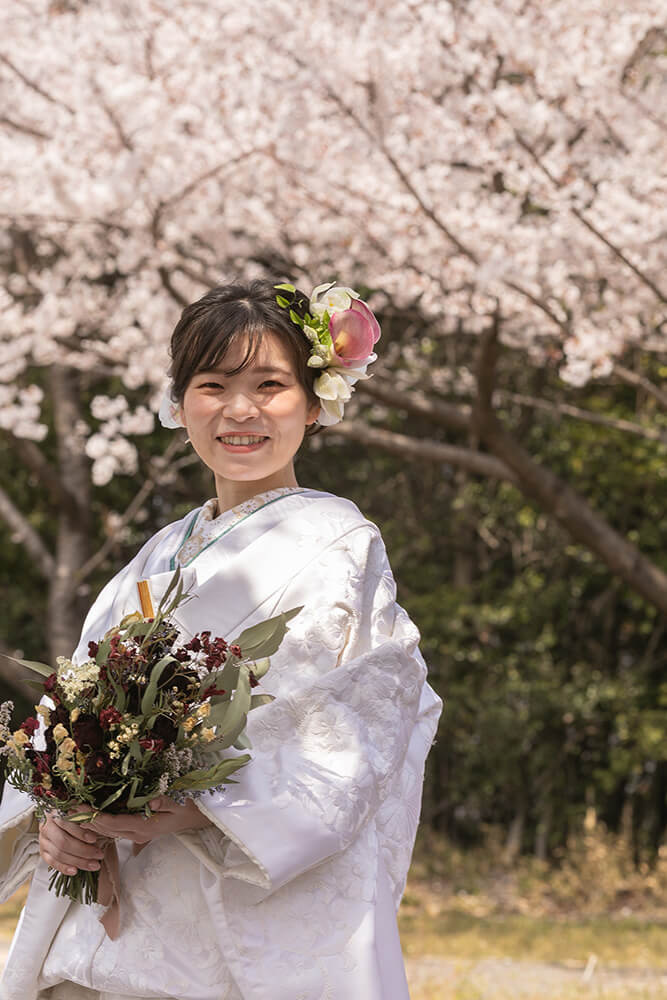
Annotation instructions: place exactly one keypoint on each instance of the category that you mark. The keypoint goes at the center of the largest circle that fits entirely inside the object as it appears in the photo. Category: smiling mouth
(242, 439)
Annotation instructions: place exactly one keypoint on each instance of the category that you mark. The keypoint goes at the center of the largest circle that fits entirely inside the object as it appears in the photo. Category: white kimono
(292, 893)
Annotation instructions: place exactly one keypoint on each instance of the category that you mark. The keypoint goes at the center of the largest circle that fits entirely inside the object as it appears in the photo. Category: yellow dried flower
(208, 734)
(204, 710)
(20, 738)
(66, 750)
(45, 713)
(59, 732)
(189, 723)
(46, 781)
(74, 714)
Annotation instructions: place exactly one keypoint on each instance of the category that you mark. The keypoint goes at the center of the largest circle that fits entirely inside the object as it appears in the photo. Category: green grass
(454, 934)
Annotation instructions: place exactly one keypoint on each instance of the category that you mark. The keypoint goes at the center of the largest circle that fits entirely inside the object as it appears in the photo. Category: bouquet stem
(82, 887)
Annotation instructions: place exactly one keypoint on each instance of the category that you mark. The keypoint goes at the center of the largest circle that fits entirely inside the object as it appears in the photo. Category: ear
(312, 414)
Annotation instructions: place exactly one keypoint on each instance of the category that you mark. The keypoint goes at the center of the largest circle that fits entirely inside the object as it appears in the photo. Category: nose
(239, 405)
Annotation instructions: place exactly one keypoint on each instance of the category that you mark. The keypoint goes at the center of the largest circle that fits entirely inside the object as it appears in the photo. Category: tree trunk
(65, 606)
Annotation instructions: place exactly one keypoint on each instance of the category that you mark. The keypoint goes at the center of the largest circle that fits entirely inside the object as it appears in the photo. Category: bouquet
(146, 715)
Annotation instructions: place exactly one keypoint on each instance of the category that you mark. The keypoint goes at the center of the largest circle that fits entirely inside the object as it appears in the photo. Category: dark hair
(229, 313)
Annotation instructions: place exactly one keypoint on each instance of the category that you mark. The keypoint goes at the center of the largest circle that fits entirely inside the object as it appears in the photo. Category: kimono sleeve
(326, 753)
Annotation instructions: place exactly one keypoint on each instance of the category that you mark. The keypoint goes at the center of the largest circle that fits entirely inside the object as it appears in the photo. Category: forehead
(247, 353)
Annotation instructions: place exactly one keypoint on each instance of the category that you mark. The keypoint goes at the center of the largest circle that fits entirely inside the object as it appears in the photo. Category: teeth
(241, 439)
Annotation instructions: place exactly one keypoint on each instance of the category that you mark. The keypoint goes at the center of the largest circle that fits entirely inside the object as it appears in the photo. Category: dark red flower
(92, 649)
(148, 744)
(98, 764)
(87, 732)
(235, 650)
(213, 690)
(109, 716)
(164, 729)
(30, 726)
(51, 681)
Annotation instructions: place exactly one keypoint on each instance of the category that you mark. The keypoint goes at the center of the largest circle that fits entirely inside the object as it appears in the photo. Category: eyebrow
(260, 370)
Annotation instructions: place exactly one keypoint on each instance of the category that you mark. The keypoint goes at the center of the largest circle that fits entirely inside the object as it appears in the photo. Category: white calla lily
(332, 385)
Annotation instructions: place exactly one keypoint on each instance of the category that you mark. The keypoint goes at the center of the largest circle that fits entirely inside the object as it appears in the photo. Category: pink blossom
(352, 334)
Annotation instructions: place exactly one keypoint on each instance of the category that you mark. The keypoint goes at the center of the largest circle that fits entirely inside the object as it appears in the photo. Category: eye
(271, 383)
(210, 385)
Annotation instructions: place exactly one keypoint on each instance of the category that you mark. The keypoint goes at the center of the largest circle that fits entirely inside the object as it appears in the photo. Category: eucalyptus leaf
(39, 668)
(170, 587)
(264, 639)
(112, 798)
(285, 287)
(210, 777)
(260, 667)
(150, 694)
(257, 700)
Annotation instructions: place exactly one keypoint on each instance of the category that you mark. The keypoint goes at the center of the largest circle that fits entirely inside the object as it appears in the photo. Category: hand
(168, 817)
(68, 848)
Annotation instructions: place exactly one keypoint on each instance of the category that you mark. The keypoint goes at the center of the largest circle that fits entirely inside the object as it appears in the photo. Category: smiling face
(248, 426)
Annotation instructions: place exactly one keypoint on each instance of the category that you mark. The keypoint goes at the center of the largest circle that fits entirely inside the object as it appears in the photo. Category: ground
(475, 928)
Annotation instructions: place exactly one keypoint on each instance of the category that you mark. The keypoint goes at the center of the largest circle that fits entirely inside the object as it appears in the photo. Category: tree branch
(644, 278)
(633, 378)
(169, 286)
(14, 675)
(418, 404)
(433, 451)
(22, 127)
(627, 426)
(32, 85)
(25, 535)
(48, 476)
(554, 495)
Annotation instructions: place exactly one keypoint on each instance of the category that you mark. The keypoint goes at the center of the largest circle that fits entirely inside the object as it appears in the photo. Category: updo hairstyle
(228, 313)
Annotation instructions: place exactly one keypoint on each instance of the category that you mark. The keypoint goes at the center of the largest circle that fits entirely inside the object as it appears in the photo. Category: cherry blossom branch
(32, 85)
(22, 127)
(113, 118)
(24, 534)
(160, 468)
(537, 160)
(169, 286)
(433, 216)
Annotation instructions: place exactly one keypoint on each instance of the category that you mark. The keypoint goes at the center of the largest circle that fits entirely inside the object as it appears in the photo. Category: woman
(286, 884)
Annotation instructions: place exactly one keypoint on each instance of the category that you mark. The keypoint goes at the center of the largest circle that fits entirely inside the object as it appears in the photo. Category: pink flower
(353, 331)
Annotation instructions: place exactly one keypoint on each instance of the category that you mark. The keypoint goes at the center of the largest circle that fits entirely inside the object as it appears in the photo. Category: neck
(233, 492)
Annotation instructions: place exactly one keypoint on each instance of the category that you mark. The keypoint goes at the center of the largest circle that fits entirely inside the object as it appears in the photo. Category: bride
(285, 885)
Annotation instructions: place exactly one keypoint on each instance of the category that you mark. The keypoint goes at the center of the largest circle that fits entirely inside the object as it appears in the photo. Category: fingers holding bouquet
(167, 817)
(67, 847)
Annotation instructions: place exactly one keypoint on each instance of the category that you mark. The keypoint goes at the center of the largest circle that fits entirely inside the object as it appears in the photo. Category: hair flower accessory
(343, 332)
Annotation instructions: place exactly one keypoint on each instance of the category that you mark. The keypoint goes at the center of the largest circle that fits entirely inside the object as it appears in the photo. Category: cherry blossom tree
(490, 170)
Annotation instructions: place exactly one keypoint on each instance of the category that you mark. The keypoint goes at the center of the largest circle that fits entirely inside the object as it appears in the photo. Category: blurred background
(489, 175)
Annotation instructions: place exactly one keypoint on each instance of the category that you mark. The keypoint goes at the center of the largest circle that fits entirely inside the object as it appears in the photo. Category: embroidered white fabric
(210, 525)
(301, 901)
